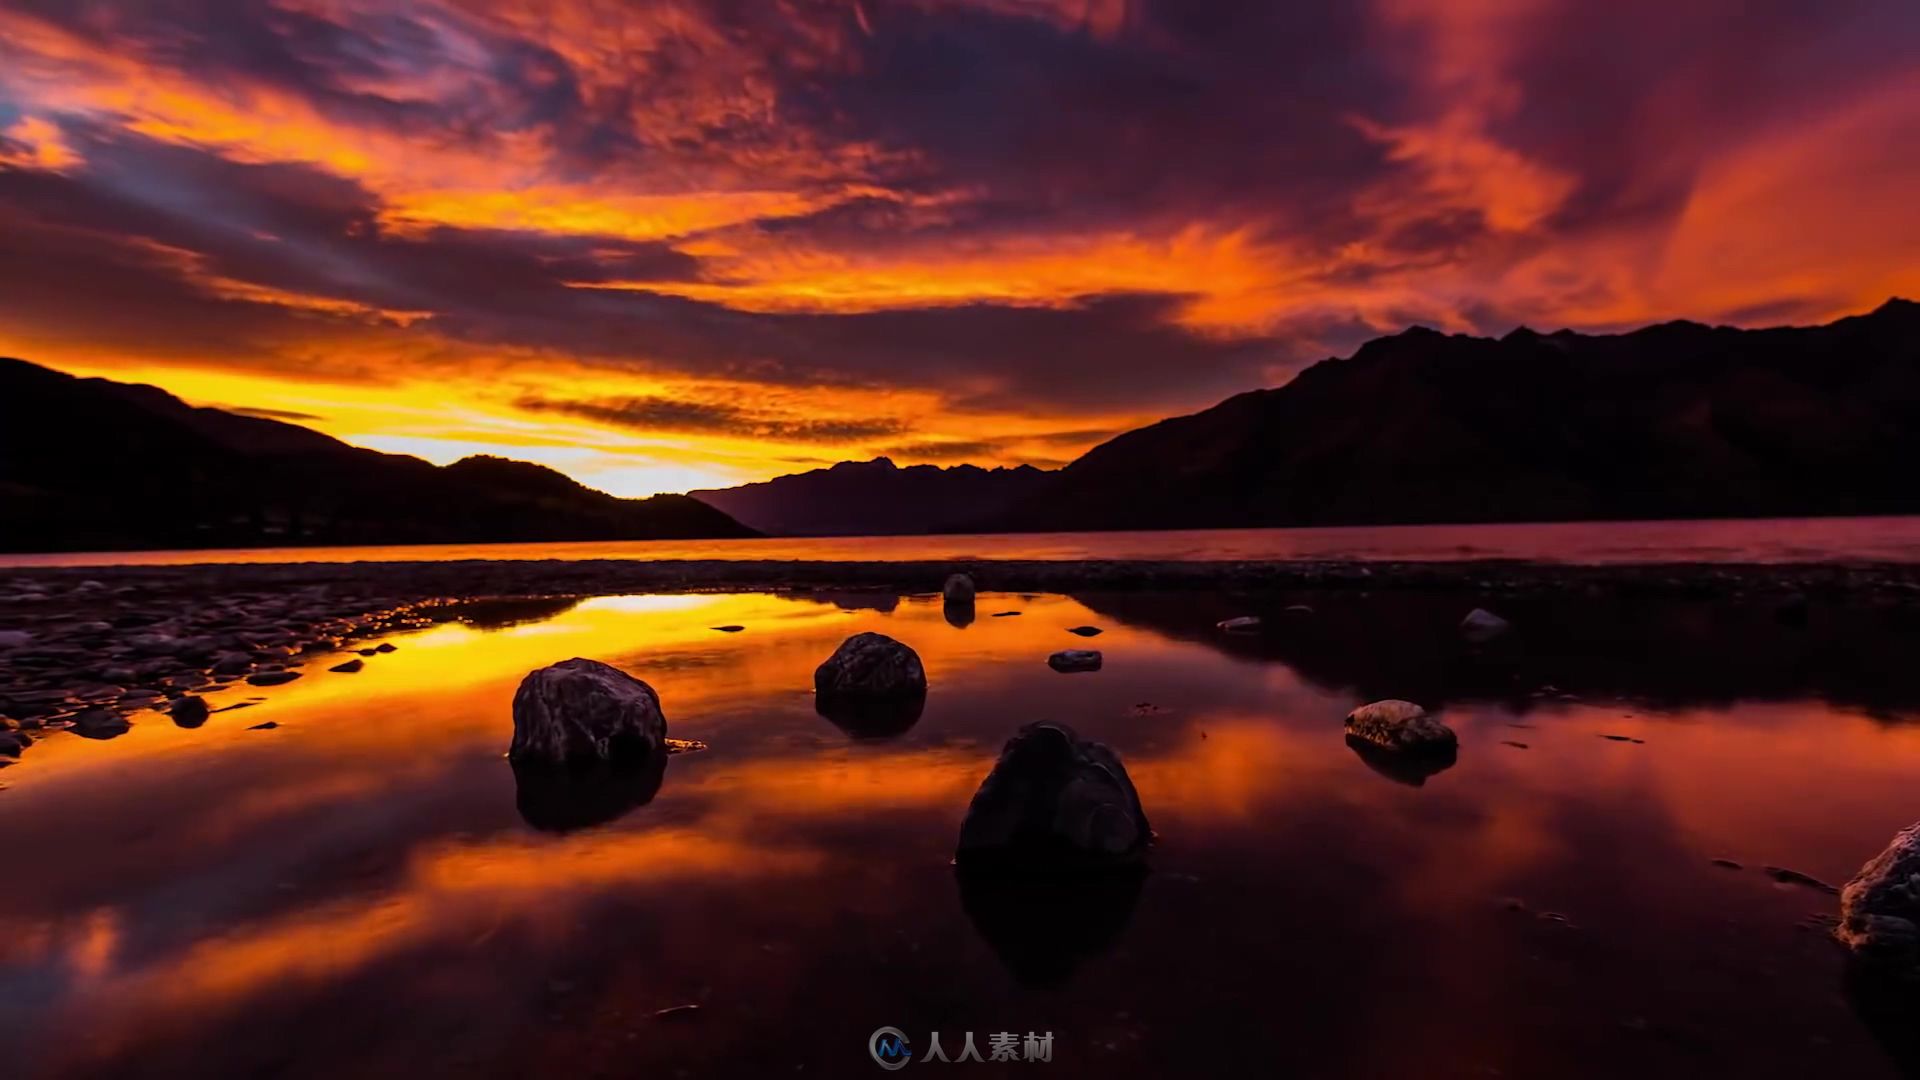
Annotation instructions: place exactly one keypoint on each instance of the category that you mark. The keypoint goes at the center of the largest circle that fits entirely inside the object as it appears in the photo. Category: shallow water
(1772, 540)
(364, 891)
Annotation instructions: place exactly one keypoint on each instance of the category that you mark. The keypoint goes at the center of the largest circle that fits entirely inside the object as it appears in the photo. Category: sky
(691, 243)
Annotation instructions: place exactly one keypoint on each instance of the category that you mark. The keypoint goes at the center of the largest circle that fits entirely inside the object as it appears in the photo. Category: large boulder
(1880, 909)
(1401, 727)
(1054, 802)
(580, 711)
(870, 667)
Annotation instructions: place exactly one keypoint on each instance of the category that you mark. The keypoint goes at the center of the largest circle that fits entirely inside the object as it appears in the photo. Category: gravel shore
(82, 647)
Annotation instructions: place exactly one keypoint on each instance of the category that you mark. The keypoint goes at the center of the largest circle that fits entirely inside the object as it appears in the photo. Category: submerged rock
(957, 590)
(584, 711)
(1880, 909)
(1400, 726)
(870, 666)
(872, 718)
(1481, 626)
(1075, 660)
(1053, 802)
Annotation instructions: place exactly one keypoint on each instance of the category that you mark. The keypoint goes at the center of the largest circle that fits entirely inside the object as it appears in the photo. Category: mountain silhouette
(877, 498)
(1671, 421)
(92, 464)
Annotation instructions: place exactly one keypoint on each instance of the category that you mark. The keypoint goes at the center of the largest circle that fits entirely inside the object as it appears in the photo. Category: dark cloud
(673, 414)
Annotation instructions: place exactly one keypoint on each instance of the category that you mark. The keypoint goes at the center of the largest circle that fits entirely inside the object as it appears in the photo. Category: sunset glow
(663, 246)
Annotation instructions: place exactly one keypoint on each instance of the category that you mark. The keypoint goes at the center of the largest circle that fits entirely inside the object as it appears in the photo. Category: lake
(366, 890)
(1774, 540)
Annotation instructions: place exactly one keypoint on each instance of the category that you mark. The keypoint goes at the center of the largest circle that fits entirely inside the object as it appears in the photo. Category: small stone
(189, 712)
(349, 667)
(731, 628)
(1400, 726)
(268, 726)
(1481, 626)
(957, 590)
(1069, 660)
(100, 724)
(1241, 624)
(1727, 864)
(272, 678)
(233, 663)
(1515, 745)
(1005, 614)
(385, 646)
(1085, 631)
(1624, 738)
(677, 1012)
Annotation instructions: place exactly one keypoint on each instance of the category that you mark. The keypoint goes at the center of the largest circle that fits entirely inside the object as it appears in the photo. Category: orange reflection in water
(397, 771)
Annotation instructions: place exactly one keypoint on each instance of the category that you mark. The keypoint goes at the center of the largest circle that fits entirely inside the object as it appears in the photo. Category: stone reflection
(884, 718)
(1401, 767)
(564, 799)
(1045, 926)
(959, 613)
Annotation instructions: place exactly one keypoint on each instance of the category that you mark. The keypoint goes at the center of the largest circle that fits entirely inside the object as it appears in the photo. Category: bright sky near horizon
(664, 245)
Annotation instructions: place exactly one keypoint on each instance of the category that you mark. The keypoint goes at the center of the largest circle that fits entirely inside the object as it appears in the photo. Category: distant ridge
(1674, 420)
(97, 465)
(877, 498)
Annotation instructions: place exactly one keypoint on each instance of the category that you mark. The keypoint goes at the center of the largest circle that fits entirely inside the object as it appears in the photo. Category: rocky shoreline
(83, 647)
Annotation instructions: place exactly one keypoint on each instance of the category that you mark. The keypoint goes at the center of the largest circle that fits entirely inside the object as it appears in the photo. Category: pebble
(350, 666)
(1085, 631)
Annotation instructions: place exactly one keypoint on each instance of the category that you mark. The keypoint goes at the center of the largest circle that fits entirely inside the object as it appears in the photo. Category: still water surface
(1774, 540)
(365, 891)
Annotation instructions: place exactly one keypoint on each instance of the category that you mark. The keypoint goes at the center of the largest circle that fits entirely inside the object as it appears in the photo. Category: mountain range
(878, 498)
(1670, 421)
(96, 465)
(1674, 420)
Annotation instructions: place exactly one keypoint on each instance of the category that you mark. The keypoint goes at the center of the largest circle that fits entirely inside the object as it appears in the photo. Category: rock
(1074, 660)
(730, 628)
(873, 667)
(233, 663)
(189, 712)
(1481, 626)
(580, 711)
(1085, 631)
(369, 652)
(1053, 802)
(1005, 614)
(677, 1012)
(272, 678)
(1726, 864)
(386, 646)
(100, 724)
(14, 743)
(1794, 877)
(268, 726)
(1243, 624)
(1400, 726)
(1880, 909)
(349, 667)
(1297, 610)
(957, 590)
